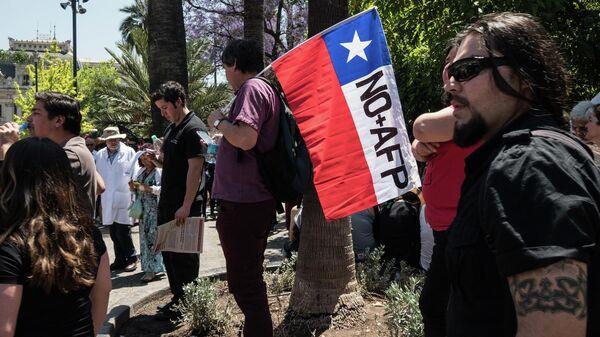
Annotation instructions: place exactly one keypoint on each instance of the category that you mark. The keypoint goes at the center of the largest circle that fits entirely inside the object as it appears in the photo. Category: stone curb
(121, 313)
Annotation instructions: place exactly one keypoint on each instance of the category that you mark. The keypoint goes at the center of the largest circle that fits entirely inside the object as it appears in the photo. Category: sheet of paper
(187, 238)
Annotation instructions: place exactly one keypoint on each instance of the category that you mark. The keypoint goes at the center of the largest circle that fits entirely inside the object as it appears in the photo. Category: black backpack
(286, 169)
(400, 232)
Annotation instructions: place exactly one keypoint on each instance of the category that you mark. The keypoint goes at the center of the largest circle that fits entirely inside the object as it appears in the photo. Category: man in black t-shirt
(182, 166)
(522, 252)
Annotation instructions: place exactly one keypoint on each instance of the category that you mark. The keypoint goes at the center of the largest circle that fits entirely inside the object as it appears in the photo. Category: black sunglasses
(467, 68)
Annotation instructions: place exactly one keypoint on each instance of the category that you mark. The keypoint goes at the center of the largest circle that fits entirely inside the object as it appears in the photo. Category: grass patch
(199, 309)
(402, 314)
(282, 279)
(374, 275)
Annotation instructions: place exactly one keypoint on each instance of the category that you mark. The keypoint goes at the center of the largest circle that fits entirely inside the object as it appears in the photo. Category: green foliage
(17, 56)
(282, 279)
(93, 82)
(403, 316)
(417, 33)
(128, 99)
(199, 308)
(204, 97)
(137, 15)
(374, 275)
(55, 74)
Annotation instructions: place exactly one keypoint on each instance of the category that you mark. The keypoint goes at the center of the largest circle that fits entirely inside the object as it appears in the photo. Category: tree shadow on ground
(147, 326)
(132, 280)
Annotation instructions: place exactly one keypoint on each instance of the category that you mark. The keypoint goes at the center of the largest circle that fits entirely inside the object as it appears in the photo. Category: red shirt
(441, 187)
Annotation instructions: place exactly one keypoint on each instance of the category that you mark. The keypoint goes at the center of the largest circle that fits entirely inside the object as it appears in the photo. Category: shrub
(282, 279)
(403, 316)
(374, 275)
(199, 308)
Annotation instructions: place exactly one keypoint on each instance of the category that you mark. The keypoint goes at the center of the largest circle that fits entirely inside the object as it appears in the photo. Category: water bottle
(157, 144)
(210, 145)
(23, 127)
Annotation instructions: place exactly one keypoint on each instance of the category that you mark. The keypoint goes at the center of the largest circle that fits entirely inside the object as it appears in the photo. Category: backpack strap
(563, 139)
(282, 104)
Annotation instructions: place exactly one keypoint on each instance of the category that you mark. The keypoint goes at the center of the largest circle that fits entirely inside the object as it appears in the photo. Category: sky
(96, 29)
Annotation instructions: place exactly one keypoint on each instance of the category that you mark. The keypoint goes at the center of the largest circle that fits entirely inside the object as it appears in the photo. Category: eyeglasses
(467, 68)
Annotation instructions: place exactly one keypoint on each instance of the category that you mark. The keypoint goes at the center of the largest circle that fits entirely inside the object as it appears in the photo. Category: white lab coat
(117, 197)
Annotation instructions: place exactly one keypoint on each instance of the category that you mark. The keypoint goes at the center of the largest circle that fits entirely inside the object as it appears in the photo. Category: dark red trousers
(243, 230)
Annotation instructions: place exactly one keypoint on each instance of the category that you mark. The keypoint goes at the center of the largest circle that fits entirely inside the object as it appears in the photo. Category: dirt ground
(146, 324)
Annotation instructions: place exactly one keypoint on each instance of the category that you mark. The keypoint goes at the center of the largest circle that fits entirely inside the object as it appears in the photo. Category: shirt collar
(530, 120)
(185, 120)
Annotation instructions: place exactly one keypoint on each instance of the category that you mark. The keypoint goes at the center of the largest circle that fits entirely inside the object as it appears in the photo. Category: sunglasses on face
(467, 68)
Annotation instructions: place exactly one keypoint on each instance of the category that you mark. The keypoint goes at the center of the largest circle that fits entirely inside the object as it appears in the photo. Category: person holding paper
(182, 160)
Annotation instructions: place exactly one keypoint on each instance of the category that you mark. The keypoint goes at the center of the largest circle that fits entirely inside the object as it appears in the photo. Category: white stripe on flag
(377, 113)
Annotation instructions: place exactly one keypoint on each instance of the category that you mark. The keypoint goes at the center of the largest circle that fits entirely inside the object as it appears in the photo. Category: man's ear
(60, 120)
(525, 88)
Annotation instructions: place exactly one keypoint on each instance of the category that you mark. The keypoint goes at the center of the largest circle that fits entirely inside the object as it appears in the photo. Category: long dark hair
(534, 56)
(41, 215)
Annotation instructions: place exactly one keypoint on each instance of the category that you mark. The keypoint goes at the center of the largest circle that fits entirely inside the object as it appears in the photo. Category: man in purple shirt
(246, 206)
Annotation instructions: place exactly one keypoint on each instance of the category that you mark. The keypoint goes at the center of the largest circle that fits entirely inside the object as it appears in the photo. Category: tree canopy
(218, 21)
(417, 33)
(54, 74)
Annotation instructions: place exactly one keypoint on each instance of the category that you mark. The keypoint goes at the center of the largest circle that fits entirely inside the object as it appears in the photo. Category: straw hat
(112, 132)
(596, 100)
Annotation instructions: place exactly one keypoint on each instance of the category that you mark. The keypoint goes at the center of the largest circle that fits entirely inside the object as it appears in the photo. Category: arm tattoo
(563, 292)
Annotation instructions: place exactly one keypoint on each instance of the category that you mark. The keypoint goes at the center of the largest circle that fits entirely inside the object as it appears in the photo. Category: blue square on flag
(357, 47)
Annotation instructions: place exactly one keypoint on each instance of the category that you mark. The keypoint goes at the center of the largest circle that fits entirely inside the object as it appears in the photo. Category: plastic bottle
(157, 144)
(23, 127)
(210, 143)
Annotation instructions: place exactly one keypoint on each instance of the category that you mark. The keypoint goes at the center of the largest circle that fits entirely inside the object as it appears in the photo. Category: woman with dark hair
(147, 188)
(54, 275)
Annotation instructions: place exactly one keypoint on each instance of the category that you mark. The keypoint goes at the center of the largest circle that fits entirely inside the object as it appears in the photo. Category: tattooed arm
(551, 301)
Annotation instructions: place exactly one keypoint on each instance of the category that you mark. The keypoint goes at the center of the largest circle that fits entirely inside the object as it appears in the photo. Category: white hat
(596, 99)
(112, 132)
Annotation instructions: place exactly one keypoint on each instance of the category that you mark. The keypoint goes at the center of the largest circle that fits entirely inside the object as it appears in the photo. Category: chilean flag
(341, 89)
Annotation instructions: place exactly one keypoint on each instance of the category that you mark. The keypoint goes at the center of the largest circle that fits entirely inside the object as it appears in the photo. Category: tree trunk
(167, 60)
(325, 283)
(325, 274)
(323, 14)
(254, 21)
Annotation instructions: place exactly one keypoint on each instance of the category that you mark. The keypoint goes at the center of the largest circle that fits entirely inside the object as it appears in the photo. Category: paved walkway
(127, 288)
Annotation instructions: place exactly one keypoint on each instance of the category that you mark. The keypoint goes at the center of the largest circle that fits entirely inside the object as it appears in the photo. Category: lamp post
(76, 8)
(36, 70)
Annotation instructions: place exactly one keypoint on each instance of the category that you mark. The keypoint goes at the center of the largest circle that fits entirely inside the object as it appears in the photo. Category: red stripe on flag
(341, 174)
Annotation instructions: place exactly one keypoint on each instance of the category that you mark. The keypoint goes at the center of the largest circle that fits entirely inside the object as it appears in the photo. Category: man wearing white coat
(114, 163)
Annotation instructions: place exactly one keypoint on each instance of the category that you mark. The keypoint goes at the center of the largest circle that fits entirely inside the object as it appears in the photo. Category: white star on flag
(356, 47)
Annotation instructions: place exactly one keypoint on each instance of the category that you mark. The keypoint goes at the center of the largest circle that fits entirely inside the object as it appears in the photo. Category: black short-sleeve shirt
(181, 143)
(41, 314)
(526, 202)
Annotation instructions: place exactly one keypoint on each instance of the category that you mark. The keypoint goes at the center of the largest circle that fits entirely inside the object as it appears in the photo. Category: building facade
(11, 73)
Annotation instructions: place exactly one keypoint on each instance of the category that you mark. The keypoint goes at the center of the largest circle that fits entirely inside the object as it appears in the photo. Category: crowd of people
(506, 225)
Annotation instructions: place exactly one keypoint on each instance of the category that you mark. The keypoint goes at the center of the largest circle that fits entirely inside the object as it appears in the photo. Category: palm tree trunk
(167, 60)
(325, 275)
(254, 21)
(323, 14)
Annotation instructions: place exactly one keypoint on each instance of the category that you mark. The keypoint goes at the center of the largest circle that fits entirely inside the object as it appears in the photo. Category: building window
(26, 79)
